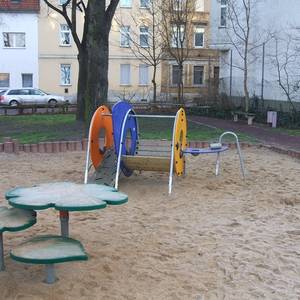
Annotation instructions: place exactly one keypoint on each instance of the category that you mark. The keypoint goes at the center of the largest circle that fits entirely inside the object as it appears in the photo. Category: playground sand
(213, 238)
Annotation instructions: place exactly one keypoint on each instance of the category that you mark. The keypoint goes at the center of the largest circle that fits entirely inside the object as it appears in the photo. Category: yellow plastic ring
(180, 142)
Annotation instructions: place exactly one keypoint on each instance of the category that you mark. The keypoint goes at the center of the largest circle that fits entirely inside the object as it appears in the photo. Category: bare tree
(93, 49)
(286, 59)
(244, 39)
(177, 34)
(145, 37)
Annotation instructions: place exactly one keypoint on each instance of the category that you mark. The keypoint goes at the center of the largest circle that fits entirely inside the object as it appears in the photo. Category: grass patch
(292, 132)
(162, 129)
(40, 128)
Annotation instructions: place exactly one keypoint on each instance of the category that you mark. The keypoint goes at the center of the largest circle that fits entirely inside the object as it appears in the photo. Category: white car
(15, 97)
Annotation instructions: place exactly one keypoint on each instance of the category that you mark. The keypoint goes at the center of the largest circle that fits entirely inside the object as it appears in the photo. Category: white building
(269, 19)
(18, 47)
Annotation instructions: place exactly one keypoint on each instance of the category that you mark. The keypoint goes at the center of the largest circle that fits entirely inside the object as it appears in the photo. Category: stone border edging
(13, 146)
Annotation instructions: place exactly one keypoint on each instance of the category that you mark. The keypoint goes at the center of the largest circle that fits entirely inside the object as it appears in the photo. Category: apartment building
(269, 20)
(58, 65)
(129, 77)
(201, 64)
(130, 74)
(19, 43)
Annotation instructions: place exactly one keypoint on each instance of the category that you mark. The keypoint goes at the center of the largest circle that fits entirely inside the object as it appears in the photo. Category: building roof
(19, 5)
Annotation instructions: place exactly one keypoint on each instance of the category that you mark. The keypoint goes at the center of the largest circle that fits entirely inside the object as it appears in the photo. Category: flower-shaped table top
(14, 219)
(65, 196)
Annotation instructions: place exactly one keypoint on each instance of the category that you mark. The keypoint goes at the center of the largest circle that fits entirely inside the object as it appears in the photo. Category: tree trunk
(81, 86)
(154, 83)
(246, 92)
(97, 61)
(180, 85)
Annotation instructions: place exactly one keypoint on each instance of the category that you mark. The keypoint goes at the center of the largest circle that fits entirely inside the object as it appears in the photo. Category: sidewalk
(263, 133)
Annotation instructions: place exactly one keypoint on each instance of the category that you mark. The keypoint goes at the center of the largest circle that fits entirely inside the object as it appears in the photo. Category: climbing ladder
(106, 172)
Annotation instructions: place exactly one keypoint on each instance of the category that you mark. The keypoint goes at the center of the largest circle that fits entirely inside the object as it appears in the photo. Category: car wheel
(52, 102)
(13, 103)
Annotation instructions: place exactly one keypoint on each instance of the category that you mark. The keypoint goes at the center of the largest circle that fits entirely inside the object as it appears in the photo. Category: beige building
(58, 66)
(129, 76)
(201, 66)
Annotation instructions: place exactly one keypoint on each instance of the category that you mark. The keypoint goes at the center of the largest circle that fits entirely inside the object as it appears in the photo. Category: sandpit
(213, 238)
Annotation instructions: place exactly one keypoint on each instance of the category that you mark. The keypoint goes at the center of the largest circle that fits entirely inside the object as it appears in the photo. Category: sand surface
(213, 238)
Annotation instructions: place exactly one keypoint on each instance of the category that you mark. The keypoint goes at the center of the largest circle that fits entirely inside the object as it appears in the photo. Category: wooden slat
(147, 163)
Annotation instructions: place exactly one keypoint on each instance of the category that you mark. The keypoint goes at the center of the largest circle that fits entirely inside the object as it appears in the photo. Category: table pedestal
(50, 274)
(2, 267)
(64, 222)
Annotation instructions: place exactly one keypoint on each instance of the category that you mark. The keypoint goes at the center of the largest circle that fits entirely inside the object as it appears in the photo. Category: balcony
(201, 17)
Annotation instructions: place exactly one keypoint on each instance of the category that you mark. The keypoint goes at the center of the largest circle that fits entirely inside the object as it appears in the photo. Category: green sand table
(65, 196)
(49, 250)
(13, 219)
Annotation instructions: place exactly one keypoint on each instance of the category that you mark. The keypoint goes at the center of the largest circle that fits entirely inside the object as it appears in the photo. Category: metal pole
(87, 156)
(238, 149)
(218, 164)
(263, 75)
(2, 266)
(148, 116)
(230, 86)
(50, 274)
(172, 154)
(120, 149)
(64, 223)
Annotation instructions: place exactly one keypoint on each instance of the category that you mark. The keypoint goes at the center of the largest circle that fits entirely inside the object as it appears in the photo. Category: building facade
(273, 25)
(58, 65)
(201, 65)
(19, 44)
(129, 77)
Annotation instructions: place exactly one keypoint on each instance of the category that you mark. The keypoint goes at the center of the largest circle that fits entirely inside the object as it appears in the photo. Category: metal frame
(87, 166)
(122, 142)
(238, 150)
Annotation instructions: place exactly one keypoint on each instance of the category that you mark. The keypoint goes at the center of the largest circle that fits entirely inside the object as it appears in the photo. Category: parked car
(15, 97)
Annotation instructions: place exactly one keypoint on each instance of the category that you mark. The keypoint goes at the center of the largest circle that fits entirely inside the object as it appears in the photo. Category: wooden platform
(147, 163)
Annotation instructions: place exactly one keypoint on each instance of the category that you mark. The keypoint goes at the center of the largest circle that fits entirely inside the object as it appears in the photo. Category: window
(178, 36)
(27, 80)
(14, 39)
(36, 92)
(175, 74)
(144, 3)
(65, 74)
(125, 74)
(18, 92)
(198, 75)
(143, 75)
(62, 2)
(65, 35)
(199, 5)
(4, 79)
(198, 37)
(125, 3)
(223, 13)
(144, 37)
(179, 5)
(125, 36)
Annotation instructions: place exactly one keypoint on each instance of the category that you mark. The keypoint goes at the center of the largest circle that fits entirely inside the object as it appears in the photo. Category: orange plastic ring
(101, 121)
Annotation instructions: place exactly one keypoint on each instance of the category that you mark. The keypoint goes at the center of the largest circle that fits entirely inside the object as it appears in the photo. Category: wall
(52, 54)
(18, 61)
(264, 25)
